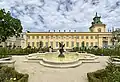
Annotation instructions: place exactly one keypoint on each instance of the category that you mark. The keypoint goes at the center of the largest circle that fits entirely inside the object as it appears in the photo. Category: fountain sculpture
(61, 50)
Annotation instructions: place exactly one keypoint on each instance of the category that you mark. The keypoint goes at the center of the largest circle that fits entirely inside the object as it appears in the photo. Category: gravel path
(38, 73)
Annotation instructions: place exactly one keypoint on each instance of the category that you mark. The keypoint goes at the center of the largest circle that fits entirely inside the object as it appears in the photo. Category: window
(56, 37)
(37, 44)
(91, 43)
(104, 37)
(69, 36)
(59, 37)
(46, 44)
(82, 37)
(56, 44)
(72, 37)
(77, 44)
(46, 37)
(33, 37)
(22, 36)
(10, 44)
(77, 37)
(67, 44)
(91, 37)
(51, 37)
(37, 37)
(41, 37)
(99, 29)
(28, 37)
(86, 37)
(87, 44)
(28, 43)
(96, 43)
(32, 44)
(66, 36)
(96, 37)
(51, 44)
(62, 42)
(72, 44)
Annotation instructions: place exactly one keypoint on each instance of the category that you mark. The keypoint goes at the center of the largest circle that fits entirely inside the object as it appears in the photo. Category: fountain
(61, 50)
(66, 60)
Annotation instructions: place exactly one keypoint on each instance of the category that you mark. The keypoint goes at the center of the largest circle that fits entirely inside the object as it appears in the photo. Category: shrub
(5, 52)
(110, 74)
(8, 74)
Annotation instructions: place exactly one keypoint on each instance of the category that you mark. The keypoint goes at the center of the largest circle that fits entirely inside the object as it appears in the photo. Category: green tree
(9, 26)
(41, 44)
(116, 36)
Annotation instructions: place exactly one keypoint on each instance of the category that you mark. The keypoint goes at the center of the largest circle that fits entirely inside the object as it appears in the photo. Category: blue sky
(44, 15)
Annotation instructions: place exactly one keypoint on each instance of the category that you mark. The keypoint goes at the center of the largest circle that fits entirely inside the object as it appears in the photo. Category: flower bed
(9, 74)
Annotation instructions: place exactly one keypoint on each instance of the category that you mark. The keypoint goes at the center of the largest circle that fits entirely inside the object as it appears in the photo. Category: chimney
(59, 30)
(54, 30)
(64, 30)
(49, 31)
(110, 30)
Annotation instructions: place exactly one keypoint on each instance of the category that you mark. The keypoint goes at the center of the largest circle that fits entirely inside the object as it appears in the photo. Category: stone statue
(50, 49)
(61, 50)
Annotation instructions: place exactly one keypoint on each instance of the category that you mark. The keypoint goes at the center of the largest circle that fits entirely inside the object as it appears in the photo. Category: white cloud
(44, 15)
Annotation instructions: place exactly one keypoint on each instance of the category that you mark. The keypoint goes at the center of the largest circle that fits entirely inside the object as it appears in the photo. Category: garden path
(38, 73)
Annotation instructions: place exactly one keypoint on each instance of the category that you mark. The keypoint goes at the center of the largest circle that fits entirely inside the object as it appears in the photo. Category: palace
(97, 36)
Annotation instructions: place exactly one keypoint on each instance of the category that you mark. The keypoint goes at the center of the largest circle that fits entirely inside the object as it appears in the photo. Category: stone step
(60, 66)
(92, 61)
(31, 61)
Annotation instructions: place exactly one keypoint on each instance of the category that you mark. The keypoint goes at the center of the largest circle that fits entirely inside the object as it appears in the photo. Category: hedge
(110, 74)
(98, 76)
(99, 51)
(9, 74)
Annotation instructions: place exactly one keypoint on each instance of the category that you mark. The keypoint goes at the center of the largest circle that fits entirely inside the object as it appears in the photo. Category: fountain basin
(72, 59)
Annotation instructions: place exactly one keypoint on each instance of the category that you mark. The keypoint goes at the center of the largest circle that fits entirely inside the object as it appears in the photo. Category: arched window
(99, 29)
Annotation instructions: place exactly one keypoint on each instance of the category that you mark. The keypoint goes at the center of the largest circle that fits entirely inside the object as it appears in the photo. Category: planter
(6, 58)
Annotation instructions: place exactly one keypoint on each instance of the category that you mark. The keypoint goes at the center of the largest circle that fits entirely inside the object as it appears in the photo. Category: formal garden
(8, 74)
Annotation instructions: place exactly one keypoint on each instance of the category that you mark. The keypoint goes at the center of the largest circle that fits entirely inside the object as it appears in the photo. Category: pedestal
(61, 55)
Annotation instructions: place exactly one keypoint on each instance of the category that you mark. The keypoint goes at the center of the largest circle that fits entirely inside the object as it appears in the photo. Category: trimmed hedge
(9, 74)
(99, 51)
(4, 52)
(110, 74)
(98, 76)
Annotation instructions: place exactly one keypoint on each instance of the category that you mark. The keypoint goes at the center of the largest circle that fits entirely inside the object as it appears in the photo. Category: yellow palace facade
(97, 36)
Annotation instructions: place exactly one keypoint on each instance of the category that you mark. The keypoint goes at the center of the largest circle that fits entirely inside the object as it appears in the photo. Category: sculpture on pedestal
(61, 50)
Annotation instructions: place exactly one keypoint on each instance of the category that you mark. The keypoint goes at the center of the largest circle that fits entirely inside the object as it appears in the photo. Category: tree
(9, 26)
(41, 44)
(83, 44)
(116, 35)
